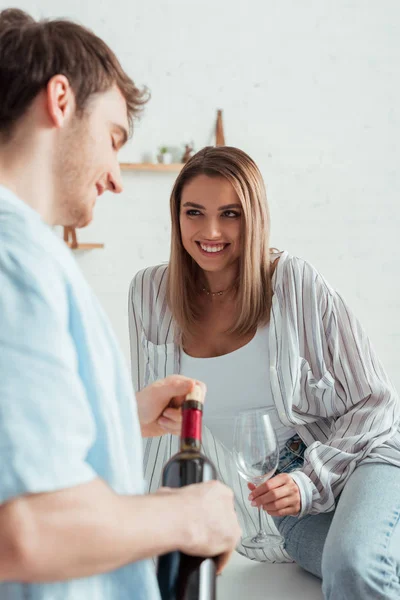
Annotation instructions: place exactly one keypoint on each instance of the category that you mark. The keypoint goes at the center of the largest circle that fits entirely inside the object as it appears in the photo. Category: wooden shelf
(174, 167)
(71, 240)
(85, 246)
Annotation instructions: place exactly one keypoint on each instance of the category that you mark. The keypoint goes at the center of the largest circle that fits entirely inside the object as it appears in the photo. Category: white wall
(310, 89)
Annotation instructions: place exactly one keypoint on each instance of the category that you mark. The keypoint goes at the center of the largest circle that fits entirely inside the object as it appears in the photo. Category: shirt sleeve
(135, 312)
(367, 407)
(46, 424)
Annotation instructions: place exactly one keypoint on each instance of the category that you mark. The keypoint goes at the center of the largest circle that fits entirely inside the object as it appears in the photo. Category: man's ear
(60, 100)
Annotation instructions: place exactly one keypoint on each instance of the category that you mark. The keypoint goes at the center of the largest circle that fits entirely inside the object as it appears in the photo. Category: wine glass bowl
(256, 454)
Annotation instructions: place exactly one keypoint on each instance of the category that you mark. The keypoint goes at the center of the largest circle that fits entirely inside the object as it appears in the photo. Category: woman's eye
(231, 214)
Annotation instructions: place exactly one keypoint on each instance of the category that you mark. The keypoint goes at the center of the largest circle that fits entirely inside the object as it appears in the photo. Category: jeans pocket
(291, 457)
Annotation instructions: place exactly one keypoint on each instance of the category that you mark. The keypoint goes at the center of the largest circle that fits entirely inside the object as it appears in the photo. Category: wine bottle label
(191, 424)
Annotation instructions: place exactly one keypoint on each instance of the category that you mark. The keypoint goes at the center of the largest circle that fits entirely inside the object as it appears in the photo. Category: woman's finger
(274, 483)
(278, 505)
(285, 491)
(285, 512)
(258, 491)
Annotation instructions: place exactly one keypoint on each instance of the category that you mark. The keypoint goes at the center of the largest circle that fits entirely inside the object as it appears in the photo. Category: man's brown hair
(32, 52)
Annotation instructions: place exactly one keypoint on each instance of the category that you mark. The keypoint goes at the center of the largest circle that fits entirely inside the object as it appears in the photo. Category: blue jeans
(356, 548)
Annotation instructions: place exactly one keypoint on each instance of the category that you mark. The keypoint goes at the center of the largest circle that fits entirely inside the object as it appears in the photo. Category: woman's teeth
(212, 248)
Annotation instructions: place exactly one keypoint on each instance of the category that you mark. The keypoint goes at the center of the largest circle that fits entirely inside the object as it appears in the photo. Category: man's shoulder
(23, 255)
(33, 244)
(31, 257)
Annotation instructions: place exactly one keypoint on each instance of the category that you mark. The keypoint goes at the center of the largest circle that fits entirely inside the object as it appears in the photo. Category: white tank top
(236, 381)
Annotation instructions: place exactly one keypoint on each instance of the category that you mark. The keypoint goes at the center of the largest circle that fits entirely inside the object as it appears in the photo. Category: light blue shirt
(67, 411)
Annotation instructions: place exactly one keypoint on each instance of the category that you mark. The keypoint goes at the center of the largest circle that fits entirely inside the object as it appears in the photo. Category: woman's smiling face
(210, 222)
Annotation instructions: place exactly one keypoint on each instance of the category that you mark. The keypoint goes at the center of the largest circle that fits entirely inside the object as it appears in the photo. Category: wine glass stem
(261, 530)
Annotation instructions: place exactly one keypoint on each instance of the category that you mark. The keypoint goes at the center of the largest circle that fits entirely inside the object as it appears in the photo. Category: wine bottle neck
(192, 416)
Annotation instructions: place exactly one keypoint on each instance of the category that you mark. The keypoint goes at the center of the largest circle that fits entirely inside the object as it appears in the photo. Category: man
(73, 522)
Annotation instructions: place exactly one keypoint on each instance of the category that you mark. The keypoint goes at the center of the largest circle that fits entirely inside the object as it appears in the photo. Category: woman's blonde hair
(253, 285)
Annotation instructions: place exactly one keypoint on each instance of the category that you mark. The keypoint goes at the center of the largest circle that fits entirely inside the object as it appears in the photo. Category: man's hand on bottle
(207, 519)
(159, 405)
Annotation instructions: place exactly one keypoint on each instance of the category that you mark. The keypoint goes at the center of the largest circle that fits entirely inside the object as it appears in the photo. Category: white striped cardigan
(326, 381)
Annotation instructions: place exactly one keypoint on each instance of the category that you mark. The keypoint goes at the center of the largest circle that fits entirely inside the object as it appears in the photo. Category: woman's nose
(212, 230)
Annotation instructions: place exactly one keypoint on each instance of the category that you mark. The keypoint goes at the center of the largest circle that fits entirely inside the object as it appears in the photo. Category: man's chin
(84, 222)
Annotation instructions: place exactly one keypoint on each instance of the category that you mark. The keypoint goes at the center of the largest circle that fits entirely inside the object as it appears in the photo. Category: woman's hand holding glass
(279, 496)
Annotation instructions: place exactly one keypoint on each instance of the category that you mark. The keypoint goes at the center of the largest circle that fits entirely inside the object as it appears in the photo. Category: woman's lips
(212, 250)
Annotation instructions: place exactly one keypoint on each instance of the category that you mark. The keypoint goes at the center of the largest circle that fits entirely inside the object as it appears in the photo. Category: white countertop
(243, 578)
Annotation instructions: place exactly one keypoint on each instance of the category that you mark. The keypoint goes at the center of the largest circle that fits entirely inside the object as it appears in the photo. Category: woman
(263, 328)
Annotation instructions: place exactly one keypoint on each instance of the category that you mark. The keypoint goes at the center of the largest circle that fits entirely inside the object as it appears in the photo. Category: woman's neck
(220, 281)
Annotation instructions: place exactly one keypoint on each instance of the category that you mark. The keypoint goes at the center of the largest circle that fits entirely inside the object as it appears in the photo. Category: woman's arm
(366, 405)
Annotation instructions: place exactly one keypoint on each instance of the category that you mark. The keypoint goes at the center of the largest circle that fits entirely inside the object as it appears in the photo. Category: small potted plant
(164, 156)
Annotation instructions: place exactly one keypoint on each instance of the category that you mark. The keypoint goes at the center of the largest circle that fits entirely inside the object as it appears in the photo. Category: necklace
(214, 293)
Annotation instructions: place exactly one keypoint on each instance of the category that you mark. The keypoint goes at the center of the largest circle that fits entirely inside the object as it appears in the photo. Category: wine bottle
(180, 576)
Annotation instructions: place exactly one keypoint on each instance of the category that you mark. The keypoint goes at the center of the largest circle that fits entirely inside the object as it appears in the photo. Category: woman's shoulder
(149, 284)
(293, 273)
